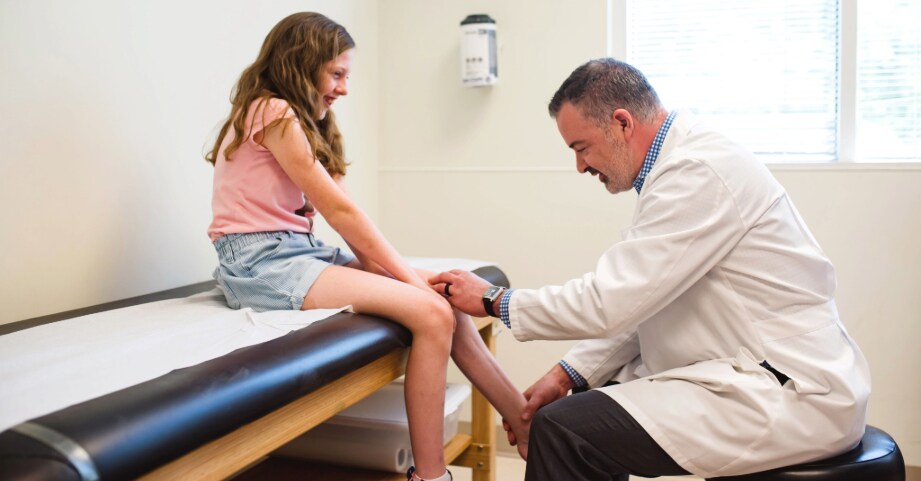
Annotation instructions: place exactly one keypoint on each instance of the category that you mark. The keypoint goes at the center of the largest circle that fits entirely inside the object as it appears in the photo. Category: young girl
(281, 144)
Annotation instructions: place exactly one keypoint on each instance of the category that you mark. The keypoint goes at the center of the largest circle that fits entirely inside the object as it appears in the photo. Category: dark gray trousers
(590, 437)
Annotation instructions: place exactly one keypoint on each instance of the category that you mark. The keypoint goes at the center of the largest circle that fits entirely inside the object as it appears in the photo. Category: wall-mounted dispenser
(479, 62)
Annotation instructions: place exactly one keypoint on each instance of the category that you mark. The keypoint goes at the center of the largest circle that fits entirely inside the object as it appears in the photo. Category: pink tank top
(251, 191)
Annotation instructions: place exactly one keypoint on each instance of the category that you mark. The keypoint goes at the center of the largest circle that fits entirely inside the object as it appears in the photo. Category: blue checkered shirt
(648, 162)
(653, 152)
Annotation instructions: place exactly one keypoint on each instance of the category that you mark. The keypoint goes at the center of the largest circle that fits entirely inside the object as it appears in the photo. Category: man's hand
(463, 289)
(554, 385)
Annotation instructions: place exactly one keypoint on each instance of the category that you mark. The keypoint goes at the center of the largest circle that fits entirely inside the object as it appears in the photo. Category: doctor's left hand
(463, 289)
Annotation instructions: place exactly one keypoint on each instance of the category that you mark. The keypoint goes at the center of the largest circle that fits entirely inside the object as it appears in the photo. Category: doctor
(715, 314)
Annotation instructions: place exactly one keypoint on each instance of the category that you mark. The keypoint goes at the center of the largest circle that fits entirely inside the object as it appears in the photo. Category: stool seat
(876, 458)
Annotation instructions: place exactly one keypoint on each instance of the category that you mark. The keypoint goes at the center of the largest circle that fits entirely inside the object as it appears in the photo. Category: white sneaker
(412, 476)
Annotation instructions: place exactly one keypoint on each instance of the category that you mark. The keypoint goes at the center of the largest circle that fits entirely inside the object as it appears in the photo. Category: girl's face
(334, 76)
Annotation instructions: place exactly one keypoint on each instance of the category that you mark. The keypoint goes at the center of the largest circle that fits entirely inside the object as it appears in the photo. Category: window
(794, 80)
(889, 79)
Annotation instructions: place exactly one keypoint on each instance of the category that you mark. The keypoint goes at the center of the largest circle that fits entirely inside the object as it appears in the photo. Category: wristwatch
(489, 298)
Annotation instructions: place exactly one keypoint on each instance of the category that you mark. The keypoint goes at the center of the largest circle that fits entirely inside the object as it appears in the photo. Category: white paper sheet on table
(438, 264)
(50, 367)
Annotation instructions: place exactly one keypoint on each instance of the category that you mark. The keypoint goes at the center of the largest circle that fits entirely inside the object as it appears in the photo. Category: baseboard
(912, 473)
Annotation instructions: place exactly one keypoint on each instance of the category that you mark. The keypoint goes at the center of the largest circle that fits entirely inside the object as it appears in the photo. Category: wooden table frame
(248, 445)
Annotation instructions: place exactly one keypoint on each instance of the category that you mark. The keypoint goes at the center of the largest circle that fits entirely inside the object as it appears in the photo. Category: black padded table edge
(132, 431)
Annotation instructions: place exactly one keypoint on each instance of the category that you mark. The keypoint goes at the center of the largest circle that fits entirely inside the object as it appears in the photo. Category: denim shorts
(268, 271)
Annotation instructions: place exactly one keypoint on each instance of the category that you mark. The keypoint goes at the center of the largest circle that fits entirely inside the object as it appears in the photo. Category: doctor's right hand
(554, 385)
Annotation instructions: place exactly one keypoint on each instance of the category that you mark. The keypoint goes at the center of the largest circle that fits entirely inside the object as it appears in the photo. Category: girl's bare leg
(431, 321)
(479, 365)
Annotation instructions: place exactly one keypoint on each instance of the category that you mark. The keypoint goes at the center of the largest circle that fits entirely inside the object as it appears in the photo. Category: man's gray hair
(599, 87)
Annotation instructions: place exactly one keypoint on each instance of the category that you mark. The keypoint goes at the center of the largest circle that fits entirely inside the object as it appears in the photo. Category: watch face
(489, 297)
(492, 293)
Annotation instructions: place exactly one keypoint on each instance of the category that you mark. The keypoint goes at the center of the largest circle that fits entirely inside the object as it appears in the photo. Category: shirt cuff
(503, 307)
(575, 376)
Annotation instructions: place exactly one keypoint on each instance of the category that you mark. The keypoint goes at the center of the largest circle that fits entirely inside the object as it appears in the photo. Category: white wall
(482, 173)
(107, 107)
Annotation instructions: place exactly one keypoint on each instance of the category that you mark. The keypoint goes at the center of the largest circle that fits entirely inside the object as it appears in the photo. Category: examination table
(224, 417)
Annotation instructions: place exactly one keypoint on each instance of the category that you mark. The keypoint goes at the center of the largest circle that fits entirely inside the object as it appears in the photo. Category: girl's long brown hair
(288, 67)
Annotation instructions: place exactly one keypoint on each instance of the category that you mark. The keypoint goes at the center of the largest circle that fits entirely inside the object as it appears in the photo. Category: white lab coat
(717, 273)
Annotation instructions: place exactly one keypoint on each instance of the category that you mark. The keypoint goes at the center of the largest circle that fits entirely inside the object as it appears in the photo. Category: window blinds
(889, 80)
(764, 71)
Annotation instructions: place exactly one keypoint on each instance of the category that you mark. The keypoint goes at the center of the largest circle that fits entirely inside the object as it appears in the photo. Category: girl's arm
(366, 264)
(287, 142)
(369, 265)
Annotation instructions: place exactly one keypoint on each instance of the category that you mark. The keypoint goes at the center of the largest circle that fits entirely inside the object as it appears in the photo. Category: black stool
(876, 458)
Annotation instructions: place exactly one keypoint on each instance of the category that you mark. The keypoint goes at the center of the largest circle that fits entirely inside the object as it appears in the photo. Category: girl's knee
(436, 319)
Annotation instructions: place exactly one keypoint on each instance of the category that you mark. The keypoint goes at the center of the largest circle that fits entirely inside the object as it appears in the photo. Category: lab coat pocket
(751, 363)
(724, 408)
(725, 375)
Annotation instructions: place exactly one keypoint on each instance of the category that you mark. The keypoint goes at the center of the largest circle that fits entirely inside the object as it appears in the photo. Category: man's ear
(623, 118)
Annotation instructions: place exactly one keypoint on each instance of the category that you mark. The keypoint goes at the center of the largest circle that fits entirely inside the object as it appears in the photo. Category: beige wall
(107, 107)
(482, 173)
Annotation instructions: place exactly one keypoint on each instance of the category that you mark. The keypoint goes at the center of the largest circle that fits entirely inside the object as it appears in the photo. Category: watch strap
(489, 300)
(487, 304)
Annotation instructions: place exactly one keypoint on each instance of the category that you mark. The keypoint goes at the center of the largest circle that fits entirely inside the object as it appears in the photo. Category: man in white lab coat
(715, 314)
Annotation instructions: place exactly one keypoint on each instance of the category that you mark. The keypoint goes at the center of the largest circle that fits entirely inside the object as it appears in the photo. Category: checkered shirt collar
(653, 153)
